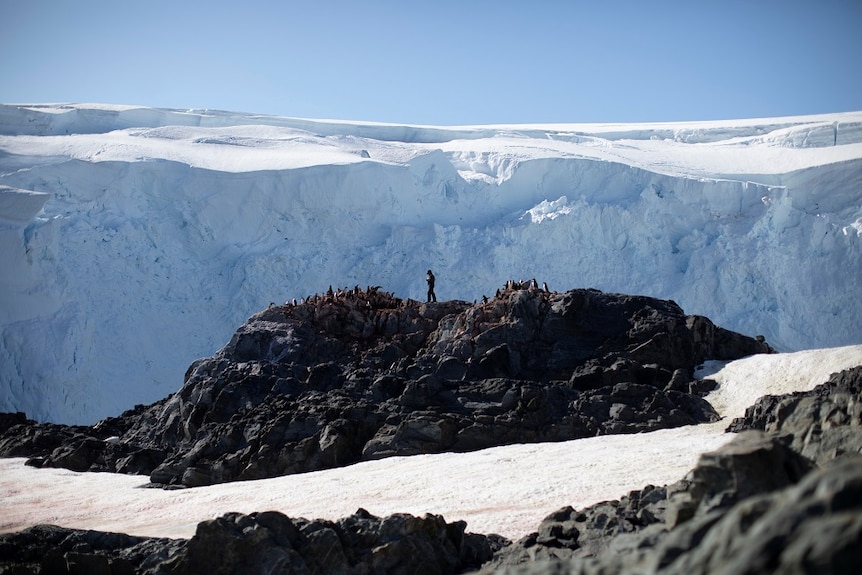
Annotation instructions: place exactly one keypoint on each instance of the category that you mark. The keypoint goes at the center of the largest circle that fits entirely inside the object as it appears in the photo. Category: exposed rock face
(78, 448)
(267, 542)
(750, 465)
(361, 543)
(821, 424)
(784, 496)
(360, 374)
(756, 505)
(726, 517)
(49, 549)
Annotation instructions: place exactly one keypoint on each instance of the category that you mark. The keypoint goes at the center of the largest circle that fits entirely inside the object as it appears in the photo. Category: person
(430, 279)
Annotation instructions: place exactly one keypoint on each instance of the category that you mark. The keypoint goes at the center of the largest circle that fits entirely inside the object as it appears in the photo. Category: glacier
(136, 240)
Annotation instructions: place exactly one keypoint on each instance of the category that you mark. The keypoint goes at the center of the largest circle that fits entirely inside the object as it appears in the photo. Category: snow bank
(505, 490)
(161, 231)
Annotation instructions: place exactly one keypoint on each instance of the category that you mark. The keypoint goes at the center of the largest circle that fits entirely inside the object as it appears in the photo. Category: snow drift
(135, 240)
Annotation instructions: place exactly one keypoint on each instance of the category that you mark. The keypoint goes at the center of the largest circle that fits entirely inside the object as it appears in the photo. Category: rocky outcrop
(78, 448)
(821, 424)
(751, 465)
(753, 506)
(360, 374)
(757, 505)
(267, 542)
(50, 549)
(750, 507)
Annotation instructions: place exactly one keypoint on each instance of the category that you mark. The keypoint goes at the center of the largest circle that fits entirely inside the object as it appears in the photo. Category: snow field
(505, 490)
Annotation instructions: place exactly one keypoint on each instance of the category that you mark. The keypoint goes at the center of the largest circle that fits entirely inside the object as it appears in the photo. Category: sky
(440, 63)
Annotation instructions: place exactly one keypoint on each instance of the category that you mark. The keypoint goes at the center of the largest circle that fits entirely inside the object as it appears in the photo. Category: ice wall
(117, 274)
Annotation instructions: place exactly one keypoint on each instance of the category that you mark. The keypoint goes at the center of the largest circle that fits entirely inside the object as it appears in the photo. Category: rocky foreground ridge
(361, 374)
(784, 497)
(757, 505)
(754, 506)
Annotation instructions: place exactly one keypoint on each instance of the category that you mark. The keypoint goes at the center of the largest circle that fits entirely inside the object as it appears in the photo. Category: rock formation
(821, 424)
(757, 505)
(785, 496)
(267, 542)
(753, 506)
(359, 374)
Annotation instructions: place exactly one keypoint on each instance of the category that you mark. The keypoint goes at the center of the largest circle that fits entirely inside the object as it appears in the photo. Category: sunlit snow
(505, 490)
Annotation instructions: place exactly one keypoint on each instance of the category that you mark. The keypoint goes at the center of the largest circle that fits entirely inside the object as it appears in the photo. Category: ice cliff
(135, 240)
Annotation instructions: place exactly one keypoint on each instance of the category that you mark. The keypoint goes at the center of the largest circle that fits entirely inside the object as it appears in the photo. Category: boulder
(753, 506)
(259, 543)
(821, 424)
(814, 526)
(50, 549)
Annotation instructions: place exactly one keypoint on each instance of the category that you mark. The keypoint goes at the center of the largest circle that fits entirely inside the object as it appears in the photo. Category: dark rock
(361, 374)
(821, 424)
(48, 549)
(587, 533)
(752, 506)
(264, 543)
(235, 543)
(79, 453)
(8, 420)
(751, 464)
(22, 437)
(814, 526)
(756, 505)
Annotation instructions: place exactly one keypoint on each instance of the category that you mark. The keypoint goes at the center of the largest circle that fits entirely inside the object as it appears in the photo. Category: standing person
(430, 279)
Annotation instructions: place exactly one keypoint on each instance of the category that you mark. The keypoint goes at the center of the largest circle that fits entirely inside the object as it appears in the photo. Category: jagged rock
(361, 374)
(412, 436)
(814, 526)
(78, 448)
(48, 549)
(259, 543)
(821, 424)
(752, 506)
(591, 532)
(22, 437)
(751, 464)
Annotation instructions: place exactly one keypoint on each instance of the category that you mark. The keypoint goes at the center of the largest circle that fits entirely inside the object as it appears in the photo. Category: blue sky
(441, 62)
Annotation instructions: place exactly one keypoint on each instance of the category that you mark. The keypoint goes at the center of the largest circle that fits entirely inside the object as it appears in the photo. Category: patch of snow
(505, 490)
(549, 210)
